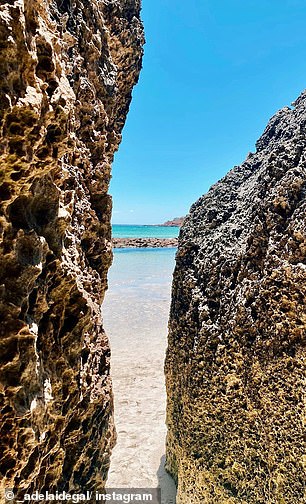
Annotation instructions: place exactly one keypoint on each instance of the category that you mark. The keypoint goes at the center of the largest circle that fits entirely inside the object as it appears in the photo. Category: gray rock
(235, 367)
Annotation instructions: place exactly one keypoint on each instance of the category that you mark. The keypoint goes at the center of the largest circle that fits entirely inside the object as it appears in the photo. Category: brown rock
(67, 71)
(235, 365)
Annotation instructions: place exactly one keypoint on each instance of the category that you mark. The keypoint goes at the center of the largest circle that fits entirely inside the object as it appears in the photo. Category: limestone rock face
(67, 69)
(234, 367)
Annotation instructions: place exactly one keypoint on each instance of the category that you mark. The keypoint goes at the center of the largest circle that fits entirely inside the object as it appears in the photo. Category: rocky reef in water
(235, 365)
(67, 70)
(144, 242)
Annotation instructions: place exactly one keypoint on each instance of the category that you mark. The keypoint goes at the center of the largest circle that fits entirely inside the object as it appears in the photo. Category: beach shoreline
(135, 313)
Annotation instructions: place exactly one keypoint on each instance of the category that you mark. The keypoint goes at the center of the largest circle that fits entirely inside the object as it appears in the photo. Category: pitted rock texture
(235, 365)
(67, 69)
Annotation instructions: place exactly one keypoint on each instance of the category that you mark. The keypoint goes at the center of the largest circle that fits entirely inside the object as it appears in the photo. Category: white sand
(136, 315)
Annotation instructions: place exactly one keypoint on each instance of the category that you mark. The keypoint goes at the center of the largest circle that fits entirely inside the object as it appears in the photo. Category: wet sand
(135, 316)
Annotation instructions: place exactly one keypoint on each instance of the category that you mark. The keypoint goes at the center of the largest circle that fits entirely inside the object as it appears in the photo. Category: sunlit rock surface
(66, 74)
(234, 368)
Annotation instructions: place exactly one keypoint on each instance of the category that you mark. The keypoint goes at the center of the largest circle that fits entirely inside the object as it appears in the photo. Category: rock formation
(67, 69)
(234, 368)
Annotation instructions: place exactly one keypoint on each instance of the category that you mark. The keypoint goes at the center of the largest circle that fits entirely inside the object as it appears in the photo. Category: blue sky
(214, 72)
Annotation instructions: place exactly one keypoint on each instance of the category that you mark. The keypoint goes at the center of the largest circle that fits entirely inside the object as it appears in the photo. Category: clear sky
(214, 72)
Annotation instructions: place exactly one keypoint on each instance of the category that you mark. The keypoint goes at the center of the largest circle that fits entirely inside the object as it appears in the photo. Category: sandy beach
(135, 315)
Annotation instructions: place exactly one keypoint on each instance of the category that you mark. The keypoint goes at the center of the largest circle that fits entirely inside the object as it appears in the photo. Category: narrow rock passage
(135, 313)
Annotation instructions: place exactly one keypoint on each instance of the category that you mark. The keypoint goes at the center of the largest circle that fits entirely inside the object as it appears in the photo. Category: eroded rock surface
(234, 367)
(67, 69)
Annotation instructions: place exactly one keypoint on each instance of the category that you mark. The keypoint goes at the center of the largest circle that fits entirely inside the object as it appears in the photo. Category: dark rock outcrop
(144, 242)
(66, 74)
(235, 365)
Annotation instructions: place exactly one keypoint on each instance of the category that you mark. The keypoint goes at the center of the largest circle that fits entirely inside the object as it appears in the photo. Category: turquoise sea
(132, 231)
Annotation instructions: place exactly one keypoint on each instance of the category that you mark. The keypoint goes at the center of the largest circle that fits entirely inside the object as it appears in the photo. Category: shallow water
(135, 314)
(129, 231)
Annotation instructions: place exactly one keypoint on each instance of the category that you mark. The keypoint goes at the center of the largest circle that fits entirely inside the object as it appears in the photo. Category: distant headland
(177, 221)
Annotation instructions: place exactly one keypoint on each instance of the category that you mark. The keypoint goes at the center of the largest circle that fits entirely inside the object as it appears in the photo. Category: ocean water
(129, 231)
(140, 273)
(135, 313)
